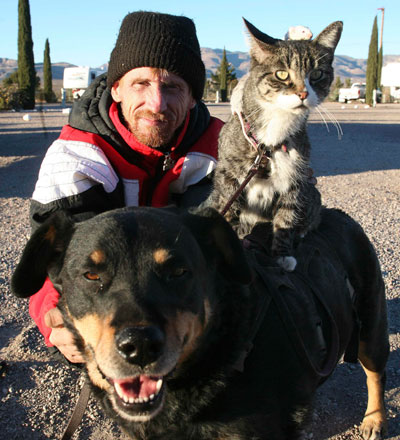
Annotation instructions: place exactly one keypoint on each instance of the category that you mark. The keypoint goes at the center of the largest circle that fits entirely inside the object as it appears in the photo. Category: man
(139, 136)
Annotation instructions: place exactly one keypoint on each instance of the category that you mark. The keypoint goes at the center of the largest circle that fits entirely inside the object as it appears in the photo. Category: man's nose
(157, 101)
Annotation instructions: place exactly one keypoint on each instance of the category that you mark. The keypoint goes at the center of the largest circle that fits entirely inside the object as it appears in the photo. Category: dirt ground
(358, 171)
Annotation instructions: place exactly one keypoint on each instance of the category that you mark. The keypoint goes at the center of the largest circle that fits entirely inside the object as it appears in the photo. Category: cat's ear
(261, 45)
(330, 36)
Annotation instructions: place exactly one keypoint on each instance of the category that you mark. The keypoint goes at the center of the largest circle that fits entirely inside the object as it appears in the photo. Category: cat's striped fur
(286, 80)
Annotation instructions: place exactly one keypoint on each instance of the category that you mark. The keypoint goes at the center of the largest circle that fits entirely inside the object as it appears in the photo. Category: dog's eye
(92, 276)
(177, 272)
(282, 75)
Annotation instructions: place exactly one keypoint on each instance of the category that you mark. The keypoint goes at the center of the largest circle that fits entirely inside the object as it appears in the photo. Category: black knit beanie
(152, 39)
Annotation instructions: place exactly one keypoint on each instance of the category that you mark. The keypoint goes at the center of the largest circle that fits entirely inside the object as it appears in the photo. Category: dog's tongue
(138, 387)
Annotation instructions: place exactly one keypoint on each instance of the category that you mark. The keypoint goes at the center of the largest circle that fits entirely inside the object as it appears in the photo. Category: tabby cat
(270, 108)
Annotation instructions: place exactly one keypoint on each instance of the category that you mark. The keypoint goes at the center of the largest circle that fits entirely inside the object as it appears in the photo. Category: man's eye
(282, 75)
(140, 84)
(171, 87)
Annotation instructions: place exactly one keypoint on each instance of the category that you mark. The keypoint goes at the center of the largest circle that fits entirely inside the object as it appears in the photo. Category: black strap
(263, 301)
(79, 410)
(271, 281)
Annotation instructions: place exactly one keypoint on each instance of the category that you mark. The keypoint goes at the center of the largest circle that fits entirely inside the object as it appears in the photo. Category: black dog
(166, 307)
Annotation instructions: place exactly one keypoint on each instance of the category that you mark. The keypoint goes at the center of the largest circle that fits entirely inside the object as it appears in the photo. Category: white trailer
(79, 78)
(391, 78)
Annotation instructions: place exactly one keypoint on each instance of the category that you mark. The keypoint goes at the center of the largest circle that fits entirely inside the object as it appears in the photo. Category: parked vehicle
(355, 92)
(79, 78)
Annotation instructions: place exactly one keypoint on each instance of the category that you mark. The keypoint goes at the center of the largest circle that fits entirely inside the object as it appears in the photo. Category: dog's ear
(42, 251)
(215, 235)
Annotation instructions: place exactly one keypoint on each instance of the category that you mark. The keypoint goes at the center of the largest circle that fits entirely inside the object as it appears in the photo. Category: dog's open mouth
(139, 397)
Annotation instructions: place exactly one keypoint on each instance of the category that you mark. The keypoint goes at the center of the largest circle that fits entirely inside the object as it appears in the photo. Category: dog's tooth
(126, 399)
(159, 385)
(131, 400)
(151, 397)
(119, 390)
(145, 399)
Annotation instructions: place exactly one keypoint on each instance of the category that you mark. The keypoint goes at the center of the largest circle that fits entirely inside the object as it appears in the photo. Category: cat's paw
(287, 263)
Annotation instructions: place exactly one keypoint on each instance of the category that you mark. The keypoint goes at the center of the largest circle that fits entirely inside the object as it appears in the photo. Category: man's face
(154, 104)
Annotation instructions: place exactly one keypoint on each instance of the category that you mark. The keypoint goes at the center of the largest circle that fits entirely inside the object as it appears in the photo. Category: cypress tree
(372, 65)
(223, 80)
(380, 61)
(26, 64)
(224, 76)
(47, 76)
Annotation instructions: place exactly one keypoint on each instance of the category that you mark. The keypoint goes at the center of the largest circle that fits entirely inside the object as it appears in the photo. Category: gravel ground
(359, 174)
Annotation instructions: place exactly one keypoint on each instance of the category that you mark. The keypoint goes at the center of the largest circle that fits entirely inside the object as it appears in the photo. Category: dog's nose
(140, 345)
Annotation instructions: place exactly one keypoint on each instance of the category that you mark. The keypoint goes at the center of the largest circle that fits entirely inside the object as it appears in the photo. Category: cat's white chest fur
(284, 171)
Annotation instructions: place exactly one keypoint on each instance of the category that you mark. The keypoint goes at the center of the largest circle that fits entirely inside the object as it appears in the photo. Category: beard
(155, 136)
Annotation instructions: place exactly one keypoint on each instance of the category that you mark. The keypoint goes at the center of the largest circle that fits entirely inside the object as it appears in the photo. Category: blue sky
(83, 32)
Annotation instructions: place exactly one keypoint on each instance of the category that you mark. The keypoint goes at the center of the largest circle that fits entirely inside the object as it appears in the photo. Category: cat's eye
(315, 75)
(282, 75)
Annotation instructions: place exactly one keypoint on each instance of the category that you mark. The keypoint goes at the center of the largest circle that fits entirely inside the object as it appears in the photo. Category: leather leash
(79, 410)
(261, 152)
(252, 171)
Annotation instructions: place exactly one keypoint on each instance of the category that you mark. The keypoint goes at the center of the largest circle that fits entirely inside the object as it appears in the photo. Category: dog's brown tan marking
(98, 337)
(189, 327)
(96, 377)
(50, 234)
(375, 416)
(96, 332)
(98, 256)
(160, 255)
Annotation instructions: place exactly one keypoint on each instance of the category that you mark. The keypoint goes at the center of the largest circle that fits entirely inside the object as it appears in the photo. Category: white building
(391, 78)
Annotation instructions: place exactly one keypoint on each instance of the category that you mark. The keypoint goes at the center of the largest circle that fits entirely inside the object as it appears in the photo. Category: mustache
(147, 114)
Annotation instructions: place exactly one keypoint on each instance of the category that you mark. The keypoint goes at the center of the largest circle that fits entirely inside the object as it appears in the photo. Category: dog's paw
(373, 428)
(287, 263)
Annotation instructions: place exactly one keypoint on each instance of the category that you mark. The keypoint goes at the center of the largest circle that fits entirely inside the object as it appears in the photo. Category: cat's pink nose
(302, 95)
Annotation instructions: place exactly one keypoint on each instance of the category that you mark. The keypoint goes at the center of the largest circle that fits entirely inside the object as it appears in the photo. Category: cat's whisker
(323, 118)
(320, 58)
(334, 121)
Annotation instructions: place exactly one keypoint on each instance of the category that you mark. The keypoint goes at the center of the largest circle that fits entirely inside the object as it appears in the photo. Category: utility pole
(380, 53)
(383, 16)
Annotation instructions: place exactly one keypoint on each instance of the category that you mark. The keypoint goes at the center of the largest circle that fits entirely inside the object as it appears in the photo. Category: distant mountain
(345, 67)
(7, 66)
(212, 59)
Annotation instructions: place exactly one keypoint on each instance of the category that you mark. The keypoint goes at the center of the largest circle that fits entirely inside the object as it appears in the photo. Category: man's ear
(216, 237)
(43, 250)
(115, 92)
(193, 103)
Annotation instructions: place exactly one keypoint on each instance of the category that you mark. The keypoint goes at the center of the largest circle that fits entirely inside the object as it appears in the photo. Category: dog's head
(137, 289)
